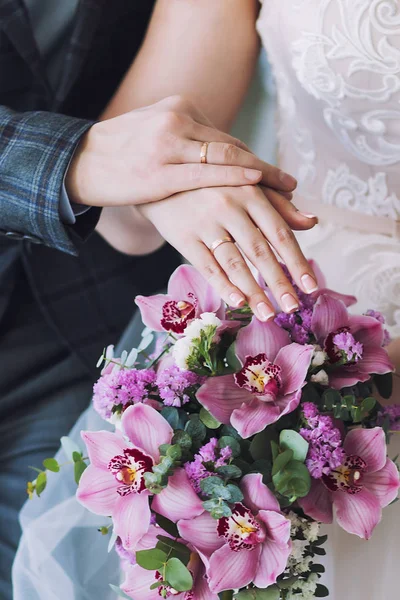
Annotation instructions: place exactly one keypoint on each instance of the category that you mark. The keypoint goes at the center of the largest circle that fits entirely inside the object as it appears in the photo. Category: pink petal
(98, 491)
(137, 584)
(256, 494)
(328, 316)
(294, 361)
(366, 330)
(149, 540)
(221, 395)
(201, 532)
(260, 338)
(254, 417)
(345, 298)
(278, 527)
(357, 513)
(186, 279)
(375, 360)
(274, 556)
(289, 403)
(178, 499)
(131, 517)
(146, 428)
(151, 310)
(370, 445)
(318, 503)
(202, 589)
(347, 376)
(230, 570)
(383, 484)
(102, 446)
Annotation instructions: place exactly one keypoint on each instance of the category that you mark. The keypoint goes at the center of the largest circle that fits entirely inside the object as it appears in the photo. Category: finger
(238, 272)
(294, 218)
(281, 237)
(204, 133)
(223, 153)
(200, 257)
(180, 178)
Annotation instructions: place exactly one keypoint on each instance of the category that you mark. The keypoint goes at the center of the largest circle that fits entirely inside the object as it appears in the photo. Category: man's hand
(151, 153)
(257, 219)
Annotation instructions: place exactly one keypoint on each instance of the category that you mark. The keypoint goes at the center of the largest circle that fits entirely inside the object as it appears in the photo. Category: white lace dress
(337, 70)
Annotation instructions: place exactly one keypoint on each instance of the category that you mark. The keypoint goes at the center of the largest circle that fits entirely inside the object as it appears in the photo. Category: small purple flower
(298, 325)
(209, 458)
(391, 413)
(173, 385)
(325, 451)
(124, 387)
(350, 350)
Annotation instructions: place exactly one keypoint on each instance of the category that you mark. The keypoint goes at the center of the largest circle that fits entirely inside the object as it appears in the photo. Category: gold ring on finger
(217, 243)
(203, 153)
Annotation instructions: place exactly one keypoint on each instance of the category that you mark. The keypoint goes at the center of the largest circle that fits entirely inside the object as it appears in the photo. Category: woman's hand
(256, 219)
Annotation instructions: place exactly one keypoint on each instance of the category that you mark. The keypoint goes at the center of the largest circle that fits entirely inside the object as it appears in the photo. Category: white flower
(320, 377)
(207, 319)
(319, 356)
(311, 534)
(181, 351)
(116, 420)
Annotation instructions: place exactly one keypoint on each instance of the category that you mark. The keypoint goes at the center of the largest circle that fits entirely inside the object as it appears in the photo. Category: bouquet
(233, 440)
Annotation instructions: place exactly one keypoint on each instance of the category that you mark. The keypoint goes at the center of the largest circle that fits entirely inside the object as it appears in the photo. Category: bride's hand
(256, 219)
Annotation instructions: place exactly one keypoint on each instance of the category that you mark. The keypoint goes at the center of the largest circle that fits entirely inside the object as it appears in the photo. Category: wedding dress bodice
(337, 69)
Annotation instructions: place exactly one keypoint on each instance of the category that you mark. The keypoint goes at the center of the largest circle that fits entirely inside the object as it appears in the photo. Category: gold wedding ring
(203, 153)
(221, 241)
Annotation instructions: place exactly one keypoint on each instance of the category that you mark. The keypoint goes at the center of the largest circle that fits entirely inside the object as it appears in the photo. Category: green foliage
(291, 440)
(196, 429)
(281, 461)
(51, 465)
(229, 472)
(171, 414)
(183, 439)
(173, 548)
(167, 525)
(208, 420)
(79, 468)
(232, 360)
(232, 443)
(270, 593)
(41, 482)
(321, 591)
(178, 575)
(217, 508)
(151, 560)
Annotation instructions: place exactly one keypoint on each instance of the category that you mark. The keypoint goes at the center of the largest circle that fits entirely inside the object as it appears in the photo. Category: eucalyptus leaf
(233, 362)
(235, 493)
(232, 443)
(178, 576)
(79, 467)
(51, 465)
(208, 484)
(170, 414)
(196, 429)
(291, 440)
(229, 471)
(182, 438)
(151, 560)
(208, 420)
(330, 398)
(41, 482)
(367, 405)
(281, 461)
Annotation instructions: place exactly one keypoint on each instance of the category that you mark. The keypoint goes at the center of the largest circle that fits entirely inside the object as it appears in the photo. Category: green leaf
(260, 447)
(196, 429)
(281, 460)
(274, 450)
(79, 468)
(318, 551)
(157, 584)
(217, 509)
(232, 359)
(231, 432)
(171, 414)
(321, 540)
(317, 568)
(41, 482)
(183, 439)
(285, 584)
(208, 420)
(293, 481)
(349, 400)
(174, 452)
(167, 525)
(119, 592)
(77, 456)
(228, 441)
(229, 471)
(330, 398)
(270, 593)
(51, 465)
(235, 493)
(208, 484)
(178, 576)
(178, 546)
(321, 591)
(151, 560)
(367, 406)
(291, 440)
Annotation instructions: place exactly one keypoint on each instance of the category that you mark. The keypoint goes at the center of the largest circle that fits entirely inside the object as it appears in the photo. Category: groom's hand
(151, 153)
(257, 219)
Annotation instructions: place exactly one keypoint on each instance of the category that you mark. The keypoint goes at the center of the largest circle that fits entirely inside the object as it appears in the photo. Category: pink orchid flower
(113, 484)
(189, 295)
(353, 343)
(268, 385)
(359, 489)
(252, 545)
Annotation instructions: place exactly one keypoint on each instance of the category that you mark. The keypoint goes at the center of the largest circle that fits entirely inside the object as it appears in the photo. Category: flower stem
(227, 595)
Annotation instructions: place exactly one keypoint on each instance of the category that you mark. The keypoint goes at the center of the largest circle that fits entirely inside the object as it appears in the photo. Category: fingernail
(264, 311)
(252, 175)
(309, 283)
(237, 300)
(289, 303)
(287, 179)
(308, 215)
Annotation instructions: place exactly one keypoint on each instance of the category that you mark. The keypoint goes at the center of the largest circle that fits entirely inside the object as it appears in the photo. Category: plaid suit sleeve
(35, 151)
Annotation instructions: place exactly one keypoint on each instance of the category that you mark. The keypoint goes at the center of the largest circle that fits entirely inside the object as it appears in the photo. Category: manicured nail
(264, 312)
(252, 175)
(309, 283)
(287, 179)
(308, 215)
(289, 303)
(237, 300)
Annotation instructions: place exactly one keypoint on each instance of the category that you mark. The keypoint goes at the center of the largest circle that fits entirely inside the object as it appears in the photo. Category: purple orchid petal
(149, 540)
(201, 588)
(345, 298)
(366, 330)
(260, 338)
(220, 396)
(383, 484)
(257, 496)
(137, 584)
(131, 518)
(318, 503)
(289, 403)
(278, 527)
(275, 549)
(178, 498)
(230, 570)
(201, 532)
(294, 361)
(102, 446)
(187, 280)
(151, 310)
(347, 376)
(98, 491)
(370, 445)
(357, 513)
(254, 417)
(329, 315)
(375, 360)
(146, 429)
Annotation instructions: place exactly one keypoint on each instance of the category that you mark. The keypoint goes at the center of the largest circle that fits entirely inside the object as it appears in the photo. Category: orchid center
(348, 477)
(177, 313)
(129, 469)
(260, 376)
(241, 530)
(342, 347)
